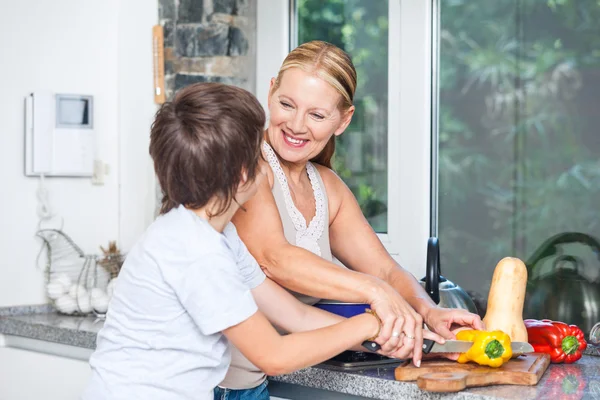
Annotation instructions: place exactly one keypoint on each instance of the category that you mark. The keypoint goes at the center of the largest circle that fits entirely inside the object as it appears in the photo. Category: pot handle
(550, 247)
(432, 278)
(560, 261)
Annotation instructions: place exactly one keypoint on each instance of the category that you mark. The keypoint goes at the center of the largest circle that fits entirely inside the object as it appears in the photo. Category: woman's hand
(447, 321)
(402, 332)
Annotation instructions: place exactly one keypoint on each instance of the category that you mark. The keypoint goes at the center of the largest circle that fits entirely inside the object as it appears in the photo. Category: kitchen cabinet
(26, 375)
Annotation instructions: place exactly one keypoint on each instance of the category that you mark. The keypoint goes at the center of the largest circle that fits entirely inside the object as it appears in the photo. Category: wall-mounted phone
(59, 135)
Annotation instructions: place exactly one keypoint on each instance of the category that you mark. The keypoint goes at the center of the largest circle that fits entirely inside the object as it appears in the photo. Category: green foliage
(518, 139)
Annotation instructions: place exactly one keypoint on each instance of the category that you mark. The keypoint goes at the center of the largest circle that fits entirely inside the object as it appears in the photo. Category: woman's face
(304, 114)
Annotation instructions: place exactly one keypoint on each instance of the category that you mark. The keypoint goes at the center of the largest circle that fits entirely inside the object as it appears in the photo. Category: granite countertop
(583, 377)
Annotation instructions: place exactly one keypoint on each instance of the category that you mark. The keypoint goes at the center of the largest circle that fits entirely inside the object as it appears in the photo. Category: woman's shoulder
(335, 187)
(331, 180)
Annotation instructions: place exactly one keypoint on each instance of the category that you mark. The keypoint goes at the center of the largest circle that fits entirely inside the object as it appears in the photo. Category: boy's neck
(218, 222)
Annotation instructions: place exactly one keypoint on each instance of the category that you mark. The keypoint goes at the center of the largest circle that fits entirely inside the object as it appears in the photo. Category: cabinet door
(28, 375)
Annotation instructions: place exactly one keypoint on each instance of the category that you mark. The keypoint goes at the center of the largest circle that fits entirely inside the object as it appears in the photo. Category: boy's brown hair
(202, 141)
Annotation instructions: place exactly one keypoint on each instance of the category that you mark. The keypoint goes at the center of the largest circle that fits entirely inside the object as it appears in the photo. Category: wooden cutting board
(450, 376)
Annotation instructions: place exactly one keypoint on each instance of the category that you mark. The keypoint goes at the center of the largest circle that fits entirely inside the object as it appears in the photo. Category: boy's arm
(274, 354)
(285, 311)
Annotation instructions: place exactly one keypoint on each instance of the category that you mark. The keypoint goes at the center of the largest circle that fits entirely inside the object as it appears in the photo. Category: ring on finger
(395, 334)
(409, 337)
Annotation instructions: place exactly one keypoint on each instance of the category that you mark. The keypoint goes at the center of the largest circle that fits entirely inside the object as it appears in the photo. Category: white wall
(26, 375)
(136, 112)
(73, 46)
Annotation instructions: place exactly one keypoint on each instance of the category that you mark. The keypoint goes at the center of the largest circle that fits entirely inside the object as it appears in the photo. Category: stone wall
(209, 41)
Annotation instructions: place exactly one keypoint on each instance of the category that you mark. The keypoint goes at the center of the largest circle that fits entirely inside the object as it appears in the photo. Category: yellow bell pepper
(489, 348)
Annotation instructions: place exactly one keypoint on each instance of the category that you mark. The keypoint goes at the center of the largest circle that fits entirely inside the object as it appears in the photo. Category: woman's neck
(293, 171)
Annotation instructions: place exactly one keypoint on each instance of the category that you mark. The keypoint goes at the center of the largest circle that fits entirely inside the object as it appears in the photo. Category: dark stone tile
(230, 80)
(169, 86)
(190, 11)
(166, 9)
(224, 6)
(241, 7)
(182, 80)
(169, 69)
(238, 44)
(169, 33)
(198, 40)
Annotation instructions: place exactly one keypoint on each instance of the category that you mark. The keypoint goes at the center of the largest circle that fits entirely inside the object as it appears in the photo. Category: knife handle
(371, 346)
(427, 345)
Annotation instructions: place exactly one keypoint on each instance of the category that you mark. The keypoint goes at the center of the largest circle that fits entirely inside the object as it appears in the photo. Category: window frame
(411, 211)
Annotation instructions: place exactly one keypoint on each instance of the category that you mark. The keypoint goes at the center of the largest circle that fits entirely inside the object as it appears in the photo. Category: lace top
(306, 236)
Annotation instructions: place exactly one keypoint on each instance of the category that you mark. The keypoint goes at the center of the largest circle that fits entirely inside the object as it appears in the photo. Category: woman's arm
(356, 245)
(275, 354)
(293, 267)
(297, 269)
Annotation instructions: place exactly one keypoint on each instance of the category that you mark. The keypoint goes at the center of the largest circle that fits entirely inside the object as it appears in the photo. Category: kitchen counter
(41, 329)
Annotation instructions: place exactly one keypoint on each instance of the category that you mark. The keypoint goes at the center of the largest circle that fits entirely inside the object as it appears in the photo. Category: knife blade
(462, 346)
(454, 346)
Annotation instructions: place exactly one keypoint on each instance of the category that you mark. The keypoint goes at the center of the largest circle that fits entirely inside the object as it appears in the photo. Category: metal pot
(564, 294)
(442, 291)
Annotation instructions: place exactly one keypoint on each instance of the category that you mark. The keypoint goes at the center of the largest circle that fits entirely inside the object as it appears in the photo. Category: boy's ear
(244, 176)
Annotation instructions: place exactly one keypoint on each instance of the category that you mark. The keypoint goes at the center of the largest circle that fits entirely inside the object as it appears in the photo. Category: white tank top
(314, 237)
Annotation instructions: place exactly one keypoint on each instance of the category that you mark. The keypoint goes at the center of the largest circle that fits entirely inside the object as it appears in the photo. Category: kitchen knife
(454, 346)
(462, 346)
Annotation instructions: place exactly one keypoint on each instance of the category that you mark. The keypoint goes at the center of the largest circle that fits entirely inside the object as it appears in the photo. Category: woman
(310, 103)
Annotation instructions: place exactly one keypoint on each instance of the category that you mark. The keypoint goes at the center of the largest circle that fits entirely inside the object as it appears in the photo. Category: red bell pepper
(565, 343)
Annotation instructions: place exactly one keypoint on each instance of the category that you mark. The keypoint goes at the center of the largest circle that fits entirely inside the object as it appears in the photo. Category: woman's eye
(285, 105)
(318, 116)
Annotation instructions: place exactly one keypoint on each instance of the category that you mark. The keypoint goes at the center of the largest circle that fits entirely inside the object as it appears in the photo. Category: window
(384, 157)
(360, 27)
(518, 141)
(404, 228)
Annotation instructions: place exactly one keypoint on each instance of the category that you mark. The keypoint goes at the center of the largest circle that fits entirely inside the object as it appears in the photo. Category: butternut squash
(506, 299)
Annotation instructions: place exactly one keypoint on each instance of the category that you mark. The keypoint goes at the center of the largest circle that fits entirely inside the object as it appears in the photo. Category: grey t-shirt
(180, 286)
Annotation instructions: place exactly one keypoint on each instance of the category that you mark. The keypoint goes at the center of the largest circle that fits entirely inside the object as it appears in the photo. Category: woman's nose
(297, 124)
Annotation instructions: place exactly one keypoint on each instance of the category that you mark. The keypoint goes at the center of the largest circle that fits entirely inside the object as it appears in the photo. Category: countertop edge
(40, 328)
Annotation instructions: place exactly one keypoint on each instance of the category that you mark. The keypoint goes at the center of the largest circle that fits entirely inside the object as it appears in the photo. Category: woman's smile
(292, 141)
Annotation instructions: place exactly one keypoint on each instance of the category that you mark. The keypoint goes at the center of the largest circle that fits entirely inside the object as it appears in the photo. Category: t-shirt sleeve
(249, 268)
(214, 293)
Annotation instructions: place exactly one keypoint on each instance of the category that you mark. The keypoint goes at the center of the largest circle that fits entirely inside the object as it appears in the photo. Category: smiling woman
(304, 216)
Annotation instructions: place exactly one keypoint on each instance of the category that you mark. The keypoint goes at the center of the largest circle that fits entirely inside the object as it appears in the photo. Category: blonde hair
(335, 67)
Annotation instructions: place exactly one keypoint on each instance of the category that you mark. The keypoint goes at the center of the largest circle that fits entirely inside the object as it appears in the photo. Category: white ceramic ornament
(99, 300)
(76, 291)
(54, 290)
(66, 304)
(83, 304)
(64, 280)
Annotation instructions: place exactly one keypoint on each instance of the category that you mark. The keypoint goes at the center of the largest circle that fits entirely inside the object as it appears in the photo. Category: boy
(184, 291)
